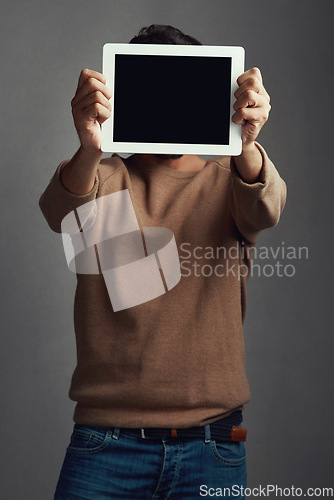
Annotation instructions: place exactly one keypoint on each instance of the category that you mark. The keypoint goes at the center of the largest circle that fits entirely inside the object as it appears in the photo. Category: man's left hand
(252, 105)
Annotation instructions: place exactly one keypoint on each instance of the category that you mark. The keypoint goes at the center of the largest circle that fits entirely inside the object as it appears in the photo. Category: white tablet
(172, 99)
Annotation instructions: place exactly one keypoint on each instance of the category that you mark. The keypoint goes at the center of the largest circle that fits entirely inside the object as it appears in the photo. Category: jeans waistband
(225, 429)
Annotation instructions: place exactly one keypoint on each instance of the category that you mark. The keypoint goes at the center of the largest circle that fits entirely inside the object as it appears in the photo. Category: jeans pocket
(87, 439)
(229, 453)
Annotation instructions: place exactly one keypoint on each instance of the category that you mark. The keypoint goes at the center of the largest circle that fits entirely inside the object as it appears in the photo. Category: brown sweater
(177, 360)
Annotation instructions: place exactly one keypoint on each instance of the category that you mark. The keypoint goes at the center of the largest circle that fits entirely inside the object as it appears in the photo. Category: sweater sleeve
(259, 205)
(56, 201)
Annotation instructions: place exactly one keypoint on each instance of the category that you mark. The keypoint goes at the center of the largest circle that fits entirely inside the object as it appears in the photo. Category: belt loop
(115, 434)
(207, 433)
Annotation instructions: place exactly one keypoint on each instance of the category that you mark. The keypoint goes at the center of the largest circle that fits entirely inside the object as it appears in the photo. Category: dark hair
(164, 34)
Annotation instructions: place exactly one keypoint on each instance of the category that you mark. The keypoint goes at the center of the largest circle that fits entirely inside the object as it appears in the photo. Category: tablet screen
(172, 99)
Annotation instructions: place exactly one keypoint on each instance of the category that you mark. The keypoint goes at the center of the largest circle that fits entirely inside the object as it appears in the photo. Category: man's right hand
(90, 108)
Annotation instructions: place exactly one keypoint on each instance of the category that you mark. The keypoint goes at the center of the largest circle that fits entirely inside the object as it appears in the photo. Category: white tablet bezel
(237, 55)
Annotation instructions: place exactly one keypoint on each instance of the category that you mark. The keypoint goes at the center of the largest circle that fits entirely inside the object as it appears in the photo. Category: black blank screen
(172, 99)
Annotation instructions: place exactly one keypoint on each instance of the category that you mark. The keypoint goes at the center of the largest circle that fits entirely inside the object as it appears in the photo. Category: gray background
(288, 329)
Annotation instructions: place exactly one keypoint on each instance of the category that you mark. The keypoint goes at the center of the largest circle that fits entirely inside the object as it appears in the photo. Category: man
(160, 387)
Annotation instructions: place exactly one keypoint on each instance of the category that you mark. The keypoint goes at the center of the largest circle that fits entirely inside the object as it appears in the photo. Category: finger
(88, 73)
(94, 97)
(251, 73)
(90, 86)
(252, 84)
(250, 99)
(251, 115)
(95, 111)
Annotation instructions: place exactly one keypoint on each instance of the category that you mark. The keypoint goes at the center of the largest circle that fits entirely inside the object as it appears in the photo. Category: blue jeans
(101, 464)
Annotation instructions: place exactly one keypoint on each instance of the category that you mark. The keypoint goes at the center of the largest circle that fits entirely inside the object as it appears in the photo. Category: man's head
(163, 34)
(166, 35)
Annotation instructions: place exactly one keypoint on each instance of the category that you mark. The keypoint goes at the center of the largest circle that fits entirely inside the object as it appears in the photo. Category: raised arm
(75, 181)
(90, 108)
(258, 193)
(252, 107)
